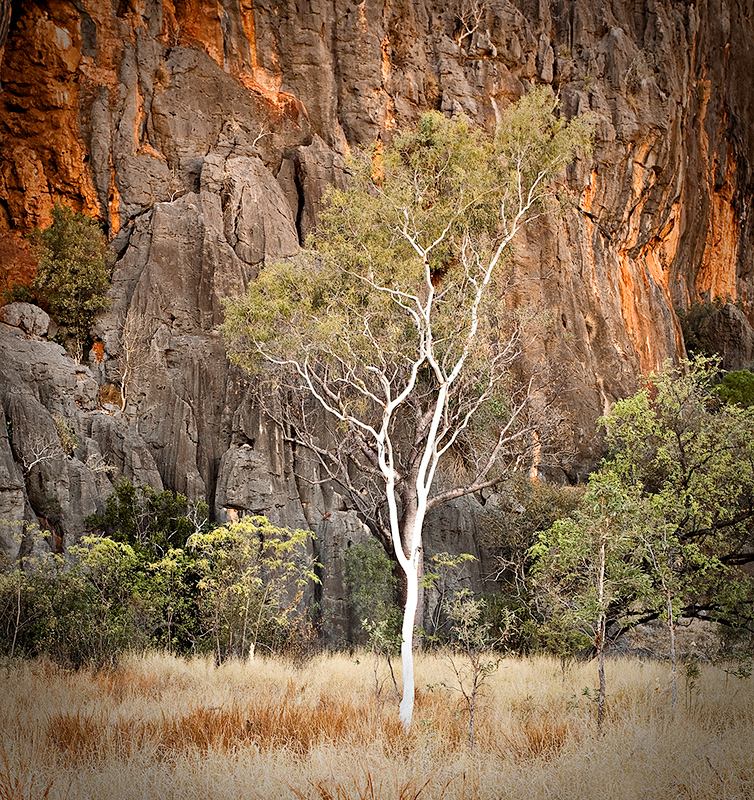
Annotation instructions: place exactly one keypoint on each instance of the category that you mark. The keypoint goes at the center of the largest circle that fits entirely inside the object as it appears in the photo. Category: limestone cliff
(203, 134)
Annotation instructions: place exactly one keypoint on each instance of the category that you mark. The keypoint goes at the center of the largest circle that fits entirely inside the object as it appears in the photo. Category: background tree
(665, 528)
(395, 322)
(73, 275)
(372, 597)
(693, 456)
(592, 564)
(737, 387)
(372, 590)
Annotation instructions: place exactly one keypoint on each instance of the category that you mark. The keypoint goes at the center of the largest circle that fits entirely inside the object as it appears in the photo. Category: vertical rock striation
(203, 136)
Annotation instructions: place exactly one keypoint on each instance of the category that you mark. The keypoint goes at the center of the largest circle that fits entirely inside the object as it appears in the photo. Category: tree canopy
(680, 471)
(693, 455)
(73, 275)
(396, 321)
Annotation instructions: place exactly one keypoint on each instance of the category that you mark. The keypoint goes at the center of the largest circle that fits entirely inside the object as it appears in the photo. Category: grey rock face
(58, 453)
(206, 144)
(13, 505)
(729, 333)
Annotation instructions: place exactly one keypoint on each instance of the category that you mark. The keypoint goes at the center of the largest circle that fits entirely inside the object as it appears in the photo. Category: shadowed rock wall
(203, 136)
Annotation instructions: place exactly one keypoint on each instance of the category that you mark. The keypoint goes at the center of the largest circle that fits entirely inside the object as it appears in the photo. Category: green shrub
(18, 293)
(251, 590)
(231, 589)
(372, 586)
(149, 520)
(73, 275)
(69, 441)
(82, 608)
(737, 387)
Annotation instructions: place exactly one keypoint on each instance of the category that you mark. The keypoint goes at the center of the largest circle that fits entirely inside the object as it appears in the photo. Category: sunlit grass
(159, 727)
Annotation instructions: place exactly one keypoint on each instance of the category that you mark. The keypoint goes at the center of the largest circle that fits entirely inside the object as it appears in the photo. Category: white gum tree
(396, 322)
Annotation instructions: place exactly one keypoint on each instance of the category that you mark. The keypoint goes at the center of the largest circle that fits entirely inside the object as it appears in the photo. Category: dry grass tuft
(161, 728)
(539, 737)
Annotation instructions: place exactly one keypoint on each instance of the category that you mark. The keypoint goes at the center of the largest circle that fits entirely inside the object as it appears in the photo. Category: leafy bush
(18, 293)
(253, 577)
(667, 517)
(509, 529)
(228, 590)
(372, 586)
(73, 275)
(737, 387)
(149, 520)
(83, 608)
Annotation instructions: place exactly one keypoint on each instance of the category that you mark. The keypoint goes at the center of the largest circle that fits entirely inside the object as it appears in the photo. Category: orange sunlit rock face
(17, 263)
(649, 269)
(98, 351)
(113, 107)
(44, 156)
(50, 75)
(198, 22)
(718, 274)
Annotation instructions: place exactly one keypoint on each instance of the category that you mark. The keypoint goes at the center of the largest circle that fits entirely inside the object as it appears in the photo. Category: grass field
(158, 728)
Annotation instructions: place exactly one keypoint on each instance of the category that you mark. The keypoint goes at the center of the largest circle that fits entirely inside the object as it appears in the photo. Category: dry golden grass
(162, 728)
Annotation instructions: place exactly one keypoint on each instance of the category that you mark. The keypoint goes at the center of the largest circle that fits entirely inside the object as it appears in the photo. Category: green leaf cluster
(73, 275)
(251, 590)
(149, 520)
(673, 503)
(567, 561)
(737, 387)
(82, 608)
(372, 592)
(693, 457)
(675, 440)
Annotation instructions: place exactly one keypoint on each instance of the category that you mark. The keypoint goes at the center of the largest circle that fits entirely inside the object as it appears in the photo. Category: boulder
(30, 318)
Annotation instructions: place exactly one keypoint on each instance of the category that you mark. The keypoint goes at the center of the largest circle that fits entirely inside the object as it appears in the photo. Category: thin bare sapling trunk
(673, 660)
(601, 631)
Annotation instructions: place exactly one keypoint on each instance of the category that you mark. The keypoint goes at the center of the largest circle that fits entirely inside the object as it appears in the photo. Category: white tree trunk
(407, 644)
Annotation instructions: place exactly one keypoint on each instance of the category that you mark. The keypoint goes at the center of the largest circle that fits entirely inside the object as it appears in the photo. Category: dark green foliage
(224, 590)
(510, 528)
(692, 326)
(149, 520)
(675, 527)
(676, 442)
(372, 588)
(737, 387)
(18, 293)
(693, 458)
(73, 276)
(81, 609)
